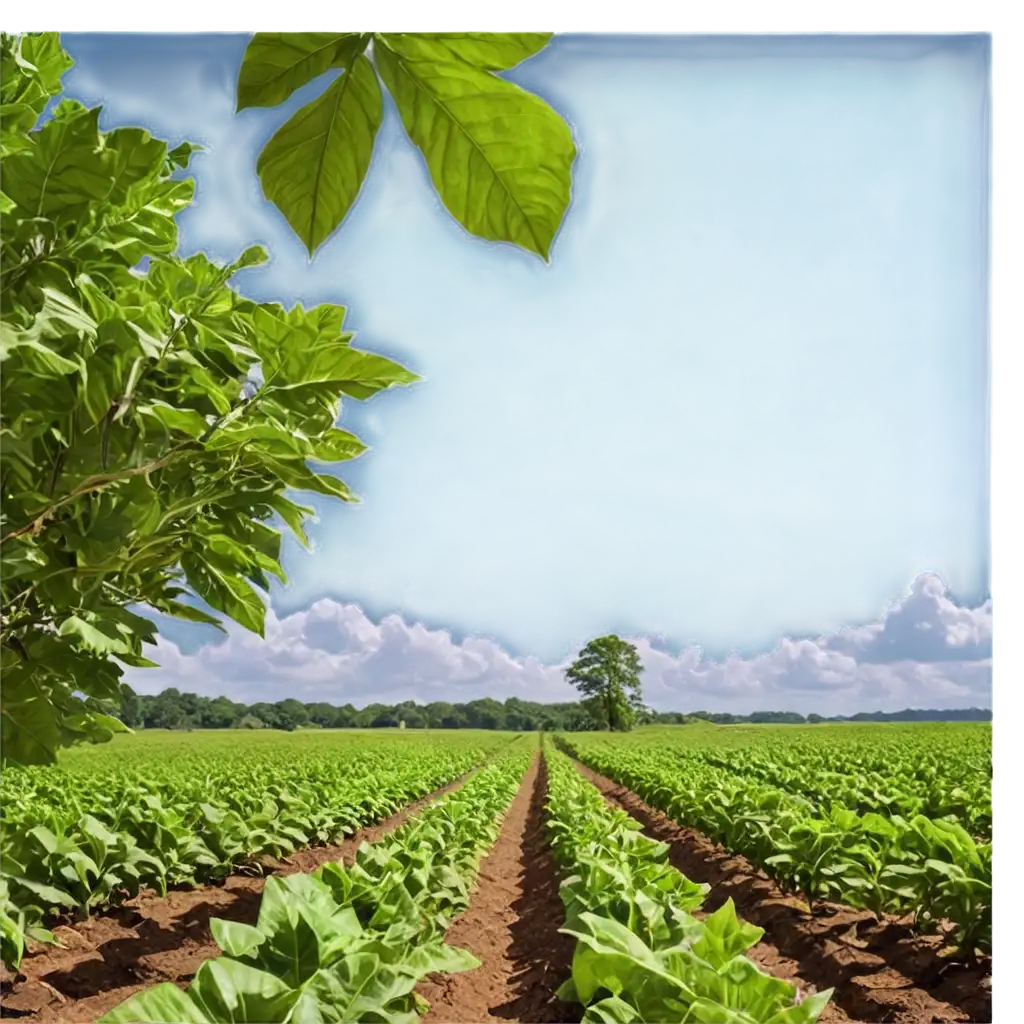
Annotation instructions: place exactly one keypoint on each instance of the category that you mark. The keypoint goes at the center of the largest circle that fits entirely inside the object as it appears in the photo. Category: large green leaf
(102, 641)
(313, 167)
(65, 169)
(229, 991)
(493, 51)
(356, 373)
(275, 64)
(224, 591)
(499, 156)
(31, 734)
(163, 1004)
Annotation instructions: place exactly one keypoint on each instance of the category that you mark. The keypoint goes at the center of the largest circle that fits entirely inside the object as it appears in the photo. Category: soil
(880, 969)
(154, 938)
(511, 926)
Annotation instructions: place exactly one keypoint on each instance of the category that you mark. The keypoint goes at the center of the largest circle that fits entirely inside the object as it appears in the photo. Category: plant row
(642, 954)
(350, 943)
(77, 861)
(935, 771)
(932, 867)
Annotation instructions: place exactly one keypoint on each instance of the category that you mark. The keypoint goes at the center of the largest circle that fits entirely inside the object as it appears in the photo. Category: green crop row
(935, 770)
(932, 867)
(187, 827)
(350, 943)
(641, 953)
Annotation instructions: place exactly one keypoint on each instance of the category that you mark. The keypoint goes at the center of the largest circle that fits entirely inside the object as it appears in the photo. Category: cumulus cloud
(926, 651)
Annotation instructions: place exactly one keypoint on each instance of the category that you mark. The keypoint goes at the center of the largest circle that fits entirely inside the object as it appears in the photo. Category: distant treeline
(175, 710)
(792, 718)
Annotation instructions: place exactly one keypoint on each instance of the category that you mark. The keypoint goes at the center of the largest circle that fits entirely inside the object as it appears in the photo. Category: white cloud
(333, 652)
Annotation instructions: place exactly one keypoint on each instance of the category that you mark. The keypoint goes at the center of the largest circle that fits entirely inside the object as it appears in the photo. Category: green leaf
(136, 157)
(182, 154)
(64, 170)
(337, 446)
(92, 638)
(235, 938)
(356, 373)
(293, 515)
(254, 256)
(725, 936)
(185, 421)
(499, 157)
(492, 51)
(29, 80)
(358, 988)
(225, 592)
(313, 167)
(30, 733)
(275, 64)
(612, 1010)
(163, 1004)
(187, 612)
(229, 991)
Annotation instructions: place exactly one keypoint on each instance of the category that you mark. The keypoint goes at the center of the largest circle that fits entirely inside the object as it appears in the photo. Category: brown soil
(153, 938)
(879, 968)
(511, 925)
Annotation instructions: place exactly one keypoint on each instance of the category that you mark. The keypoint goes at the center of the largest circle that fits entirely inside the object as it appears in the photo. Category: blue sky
(747, 399)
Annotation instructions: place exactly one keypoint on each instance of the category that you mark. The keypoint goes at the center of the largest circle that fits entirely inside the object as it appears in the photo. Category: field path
(153, 938)
(879, 969)
(511, 925)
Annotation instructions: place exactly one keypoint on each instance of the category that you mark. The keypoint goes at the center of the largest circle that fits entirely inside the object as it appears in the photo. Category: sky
(744, 407)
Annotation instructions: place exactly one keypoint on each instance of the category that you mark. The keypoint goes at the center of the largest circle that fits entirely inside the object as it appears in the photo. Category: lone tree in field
(607, 673)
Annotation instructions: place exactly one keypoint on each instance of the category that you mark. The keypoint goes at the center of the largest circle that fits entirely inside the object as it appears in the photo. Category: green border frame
(1005, 18)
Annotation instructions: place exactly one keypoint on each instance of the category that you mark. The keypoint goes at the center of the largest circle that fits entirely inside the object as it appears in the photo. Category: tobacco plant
(162, 826)
(641, 955)
(815, 846)
(350, 943)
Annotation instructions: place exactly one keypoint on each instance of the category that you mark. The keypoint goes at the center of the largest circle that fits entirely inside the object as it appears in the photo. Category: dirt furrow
(876, 967)
(154, 938)
(511, 925)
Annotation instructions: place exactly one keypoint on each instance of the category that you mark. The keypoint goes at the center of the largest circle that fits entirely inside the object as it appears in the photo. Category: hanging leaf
(493, 51)
(313, 167)
(275, 64)
(499, 157)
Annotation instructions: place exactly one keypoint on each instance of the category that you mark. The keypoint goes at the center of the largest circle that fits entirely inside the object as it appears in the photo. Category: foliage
(641, 954)
(804, 835)
(607, 673)
(940, 771)
(350, 944)
(172, 709)
(152, 418)
(163, 814)
(499, 157)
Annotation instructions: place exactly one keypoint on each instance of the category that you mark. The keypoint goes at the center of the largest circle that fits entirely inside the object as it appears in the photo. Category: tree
(131, 708)
(165, 712)
(322, 714)
(220, 713)
(607, 673)
(154, 420)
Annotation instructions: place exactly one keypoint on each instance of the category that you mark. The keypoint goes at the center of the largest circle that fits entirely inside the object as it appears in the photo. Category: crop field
(679, 873)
